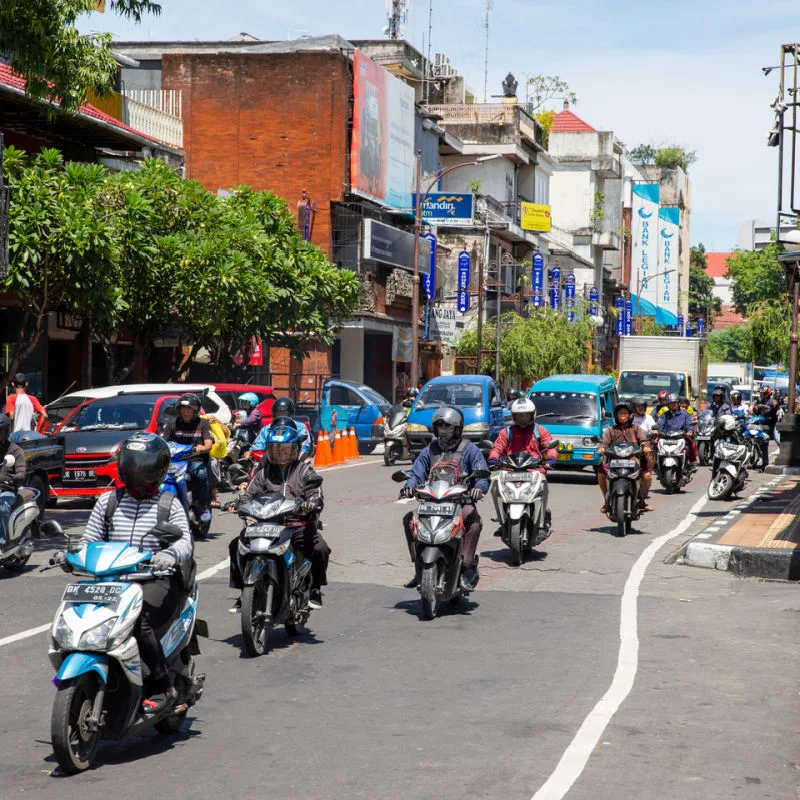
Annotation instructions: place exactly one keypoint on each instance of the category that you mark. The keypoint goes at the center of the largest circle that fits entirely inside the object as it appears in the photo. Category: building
(755, 234)
(717, 268)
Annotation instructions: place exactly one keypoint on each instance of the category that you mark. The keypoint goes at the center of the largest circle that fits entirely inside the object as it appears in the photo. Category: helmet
(736, 397)
(5, 429)
(248, 397)
(662, 396)
(718, 390)
(726, 422)
(448, 415)
(523, 412)
(283, 431)
(412, 393)
(143, 461)
(283, 407)
(191, 400)
(623, 404)
(765, 390)
(639, 401)
(672, 398)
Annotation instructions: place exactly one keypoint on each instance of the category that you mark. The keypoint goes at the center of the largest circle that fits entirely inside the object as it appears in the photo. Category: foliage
(541, 88)
(597, 213)
(545, 119)
(730, 344)
(475, 186)
(643, 154)
(649, 327)
(41, 42)
(755, 276)
(770, 327)
(670, 156)
(702, 301)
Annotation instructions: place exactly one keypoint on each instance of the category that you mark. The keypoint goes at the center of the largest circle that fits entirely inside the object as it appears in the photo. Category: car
(61, 408)
(476, 396)
(44, 455)
(229, 392)
(93, 434)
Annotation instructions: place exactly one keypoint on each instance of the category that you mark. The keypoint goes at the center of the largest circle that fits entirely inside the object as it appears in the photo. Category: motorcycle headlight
(415, 427)
(97, 638)
(476, 427)
(62, 633)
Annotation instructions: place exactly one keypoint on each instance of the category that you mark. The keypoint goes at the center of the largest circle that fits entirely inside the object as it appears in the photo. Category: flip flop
(215, 504)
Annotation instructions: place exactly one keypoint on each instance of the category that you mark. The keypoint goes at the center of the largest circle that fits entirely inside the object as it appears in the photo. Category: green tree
(41, 42)
(730, 344)
(770, 327)
(702, 301)
(755, 276)
(644, 154)
(541, 88)
(670, 156)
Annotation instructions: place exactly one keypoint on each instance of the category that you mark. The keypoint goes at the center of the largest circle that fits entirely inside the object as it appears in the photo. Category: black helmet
(673, 398)
(143, 460)
(412, 393)
(449, 415)
(191, 400)
(622, 404)
(639, 401)
(282, 407)
(5, 429)
(718, 390)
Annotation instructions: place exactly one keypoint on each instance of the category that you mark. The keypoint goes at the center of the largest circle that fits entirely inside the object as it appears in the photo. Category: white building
(755, 234)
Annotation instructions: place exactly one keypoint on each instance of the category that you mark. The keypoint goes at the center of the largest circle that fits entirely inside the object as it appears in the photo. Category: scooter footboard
(76, 664)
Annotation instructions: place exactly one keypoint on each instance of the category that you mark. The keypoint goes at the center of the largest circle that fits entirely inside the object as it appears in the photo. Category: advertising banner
(382, 150)
(394, 247)
(669, 234)
(443, 325)
(620, 304)
(535, 217)
(555, 287)
(701, 327)
(644, 248)
(594, 300)
(569, 292)
(446, 208)
(463, 281)
(628, 317)
(537, 280)
(429, 280)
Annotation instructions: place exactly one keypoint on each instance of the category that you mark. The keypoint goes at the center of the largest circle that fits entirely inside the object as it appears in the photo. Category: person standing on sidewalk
(21, 406)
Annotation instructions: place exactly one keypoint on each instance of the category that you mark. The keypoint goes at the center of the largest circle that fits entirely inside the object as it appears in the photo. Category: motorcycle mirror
(553, 443)
(166, 533)
(401, 476)
(314, 482)
(596, 439)
(50, 529)
(486, 444)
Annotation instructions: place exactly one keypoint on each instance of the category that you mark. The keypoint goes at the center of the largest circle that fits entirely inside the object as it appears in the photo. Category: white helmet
(727, 422)
(523, 412)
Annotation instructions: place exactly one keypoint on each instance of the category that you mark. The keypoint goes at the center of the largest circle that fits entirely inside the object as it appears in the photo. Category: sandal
(604, 509)
(215, 504)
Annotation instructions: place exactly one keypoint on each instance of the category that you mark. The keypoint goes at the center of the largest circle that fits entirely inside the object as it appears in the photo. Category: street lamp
(419, 201)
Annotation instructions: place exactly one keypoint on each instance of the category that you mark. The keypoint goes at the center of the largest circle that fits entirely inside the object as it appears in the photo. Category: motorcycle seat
(24, 495)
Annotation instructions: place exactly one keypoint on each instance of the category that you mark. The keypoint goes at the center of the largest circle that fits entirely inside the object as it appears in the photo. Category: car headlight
(476, 427)
(62, 633)
(587, 442)
(415, 427)
(97, 638)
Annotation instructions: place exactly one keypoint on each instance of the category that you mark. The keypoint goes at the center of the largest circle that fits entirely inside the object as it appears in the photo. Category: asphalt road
(495, 699)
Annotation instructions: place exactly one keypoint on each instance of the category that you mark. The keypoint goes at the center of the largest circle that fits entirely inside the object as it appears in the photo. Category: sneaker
(159, 701)
(315, 598)
(413, 583)
(205, 517)
(236, 608)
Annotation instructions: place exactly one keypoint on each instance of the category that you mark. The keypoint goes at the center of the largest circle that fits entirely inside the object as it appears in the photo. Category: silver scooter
(23, 530)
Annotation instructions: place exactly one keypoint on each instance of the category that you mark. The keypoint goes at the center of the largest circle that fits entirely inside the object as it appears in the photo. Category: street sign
(594, 299)
(429, 280)
(620, 304)
(447, 208)
(537, 280)
(628, 317)
(570, 295)
(443, 325)
(534, 217)
(464, 263)
(555, 287)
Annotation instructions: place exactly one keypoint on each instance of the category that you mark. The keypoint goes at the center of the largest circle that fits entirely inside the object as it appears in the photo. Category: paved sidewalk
(758, 538)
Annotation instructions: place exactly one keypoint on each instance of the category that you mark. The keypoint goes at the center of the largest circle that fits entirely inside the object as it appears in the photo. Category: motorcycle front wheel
(74, 743)
(702, 453)
(257, 602)
(721, 486)
(389, 454)
(619, 512)
(670, 479)
(515, 541)
(429, 583)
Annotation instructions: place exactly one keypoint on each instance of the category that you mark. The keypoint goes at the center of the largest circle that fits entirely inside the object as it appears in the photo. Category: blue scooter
(176, 482)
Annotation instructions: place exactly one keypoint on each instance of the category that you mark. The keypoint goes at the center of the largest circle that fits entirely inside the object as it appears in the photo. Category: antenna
(397, 11)
(489, 4)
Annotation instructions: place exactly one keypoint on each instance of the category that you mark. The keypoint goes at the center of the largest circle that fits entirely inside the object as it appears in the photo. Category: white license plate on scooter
(97, 593)
(437, 509)
(519, 477)
(623, 463)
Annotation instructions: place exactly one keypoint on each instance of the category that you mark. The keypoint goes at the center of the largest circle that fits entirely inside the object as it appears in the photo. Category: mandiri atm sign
(534, 217)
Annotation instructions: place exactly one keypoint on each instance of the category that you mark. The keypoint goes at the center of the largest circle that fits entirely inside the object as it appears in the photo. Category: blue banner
(701, 326)
(429, 280)
(537, 283)
(620, 304)
(679, 326)
(447, 208)
(463, 280)
(688, 328)
(628, 317)
(569, 291)
(594, 299)
(555, 287)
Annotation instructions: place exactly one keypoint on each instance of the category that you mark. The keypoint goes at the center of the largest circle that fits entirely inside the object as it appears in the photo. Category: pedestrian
(21, 406)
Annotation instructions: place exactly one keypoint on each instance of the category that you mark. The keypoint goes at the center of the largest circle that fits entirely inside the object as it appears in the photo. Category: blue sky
(686, 72)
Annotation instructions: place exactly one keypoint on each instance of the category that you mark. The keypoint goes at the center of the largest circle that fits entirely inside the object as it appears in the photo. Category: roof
(728, 318)
(460, 379)
(567, 122)
(716, 266)
(575, 383)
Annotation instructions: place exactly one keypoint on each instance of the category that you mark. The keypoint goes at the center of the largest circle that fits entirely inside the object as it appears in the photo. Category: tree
(669, 156)
(541, 88)
(730, 344)
(41, 42)
(643, 154)
(702, 300)
(770, 327)
(755, 276)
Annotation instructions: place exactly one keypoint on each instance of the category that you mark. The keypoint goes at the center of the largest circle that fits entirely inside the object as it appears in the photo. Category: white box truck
(730, 372)
(652, 364)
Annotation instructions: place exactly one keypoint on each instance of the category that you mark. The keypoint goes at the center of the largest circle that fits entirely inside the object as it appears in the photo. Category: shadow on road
(463, 607)
(278, 640)
(503, 555)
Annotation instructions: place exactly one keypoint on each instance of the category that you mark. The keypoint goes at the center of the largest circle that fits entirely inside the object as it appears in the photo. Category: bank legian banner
(669, 235)
(644, 249)
(382, 150)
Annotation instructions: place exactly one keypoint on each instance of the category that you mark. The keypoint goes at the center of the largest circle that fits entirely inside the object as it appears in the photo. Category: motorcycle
(176, 482)
(729, 468)
(519, 496)
(672, 460)
(756, 433)
(394, 435)
(438, 528)
(624, 484)
(92, 647)
(277, 578)
(22, 531)
(705, 431)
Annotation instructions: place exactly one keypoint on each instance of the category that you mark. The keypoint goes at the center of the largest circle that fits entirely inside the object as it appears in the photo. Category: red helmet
(765, 390)
(662, 396)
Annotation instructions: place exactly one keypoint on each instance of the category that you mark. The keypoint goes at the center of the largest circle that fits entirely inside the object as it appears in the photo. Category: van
(476, 396)
(349, 404)
(576, 409)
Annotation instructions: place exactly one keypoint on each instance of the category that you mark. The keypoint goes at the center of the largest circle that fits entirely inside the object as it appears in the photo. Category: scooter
(277, 578)
(706, 422)
(756, 434)
(520, 498)
(176, 482)
(672, 460)
(23, 530)
(438, 528)
(92, 647)
(729, 468)
(394, 435)
(624, 484)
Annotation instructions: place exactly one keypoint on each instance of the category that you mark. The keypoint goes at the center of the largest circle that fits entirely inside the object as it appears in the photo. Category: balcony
(154, 112)
(606, 234)
(490, 123)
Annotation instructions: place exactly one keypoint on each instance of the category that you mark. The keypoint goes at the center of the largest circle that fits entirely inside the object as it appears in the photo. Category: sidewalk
(758, 538)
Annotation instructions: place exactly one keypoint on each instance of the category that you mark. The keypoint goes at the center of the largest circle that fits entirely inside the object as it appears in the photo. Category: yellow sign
(535, 217)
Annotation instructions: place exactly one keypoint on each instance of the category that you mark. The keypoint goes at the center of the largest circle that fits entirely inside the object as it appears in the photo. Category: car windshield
(460, 395)
(566, 408)
(373, 396)
(650, 384)
(114, 413)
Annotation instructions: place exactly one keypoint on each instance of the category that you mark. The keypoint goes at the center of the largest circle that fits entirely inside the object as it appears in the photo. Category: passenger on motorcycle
(448, 446)
(768, 408)
(660, 405)
(12, 474)
(284, 407)
(736, 402)
(252, 423)
(676, 419)
(623, 430)
(684, 403)
(281, 470)
(640, 415)
(143, 462)
(190, 428)
(718, 404)
(411, 395)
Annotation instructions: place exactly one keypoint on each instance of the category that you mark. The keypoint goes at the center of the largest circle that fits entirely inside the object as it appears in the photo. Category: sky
(686, 72)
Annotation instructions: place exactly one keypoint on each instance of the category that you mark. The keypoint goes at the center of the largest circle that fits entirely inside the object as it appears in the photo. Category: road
(495, 699)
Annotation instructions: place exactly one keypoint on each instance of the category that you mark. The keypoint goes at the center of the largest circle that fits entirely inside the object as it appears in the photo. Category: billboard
(394, 247)
(446, 208)
(644, 248)
(534, 217)
(669, 236)
(382, 149)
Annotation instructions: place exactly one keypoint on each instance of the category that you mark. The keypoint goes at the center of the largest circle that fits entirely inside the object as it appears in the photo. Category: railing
(491, 114)
(170, 101)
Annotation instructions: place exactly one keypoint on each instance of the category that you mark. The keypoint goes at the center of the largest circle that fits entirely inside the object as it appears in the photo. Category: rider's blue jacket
(471, 459)
(671, 421)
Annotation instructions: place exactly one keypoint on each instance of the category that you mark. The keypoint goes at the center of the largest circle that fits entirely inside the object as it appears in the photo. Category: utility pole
(486, 52)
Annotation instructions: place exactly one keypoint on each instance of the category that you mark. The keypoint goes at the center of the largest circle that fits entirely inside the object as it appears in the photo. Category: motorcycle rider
(12, 474)
(768, 408)
(448, 425)
(524, 435)
(252, 423)
(623, 430)
(282, 470)
(408, 400)
(192, 429)
(143, 462)
(284, 407)
(660, 405)
(676, 419)
(718, 404)
(640, 415)
(736, 402)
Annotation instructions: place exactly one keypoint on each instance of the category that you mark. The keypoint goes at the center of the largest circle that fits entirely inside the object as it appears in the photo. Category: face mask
(445, 434)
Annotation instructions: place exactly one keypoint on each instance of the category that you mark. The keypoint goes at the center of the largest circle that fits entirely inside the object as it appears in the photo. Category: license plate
(80, 475)
(437, 509)
(563, 457)
(105, 593)
(519, 477)
(263, 530)
(624, 463)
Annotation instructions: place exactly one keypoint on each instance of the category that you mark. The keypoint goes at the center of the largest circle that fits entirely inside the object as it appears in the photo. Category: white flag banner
(644, 249)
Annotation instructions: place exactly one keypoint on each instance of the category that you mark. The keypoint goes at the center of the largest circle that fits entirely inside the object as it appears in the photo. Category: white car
(211, 402)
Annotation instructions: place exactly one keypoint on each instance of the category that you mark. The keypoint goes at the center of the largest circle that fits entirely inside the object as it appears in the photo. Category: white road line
(703, 536)
(577, 754)
(347, 466)
(18, 637)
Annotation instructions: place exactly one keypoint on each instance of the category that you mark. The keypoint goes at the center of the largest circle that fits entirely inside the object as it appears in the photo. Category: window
(566, 408)
(342, 396)
(461, 395)
(495, 397)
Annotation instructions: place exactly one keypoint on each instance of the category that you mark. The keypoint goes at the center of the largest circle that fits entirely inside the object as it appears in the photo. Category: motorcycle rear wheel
(17, 563)
(721, 486)
(429, 583)
(389, 454)
(74, 745)
(619, 512)
(257, 601)
(515, 541)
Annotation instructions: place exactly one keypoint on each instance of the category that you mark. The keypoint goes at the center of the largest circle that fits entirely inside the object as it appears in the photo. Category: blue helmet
(283, 431)
(248, 397)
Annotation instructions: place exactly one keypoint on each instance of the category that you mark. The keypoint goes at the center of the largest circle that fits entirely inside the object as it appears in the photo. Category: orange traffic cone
(338, 449)
(322, 457)
(354, 444)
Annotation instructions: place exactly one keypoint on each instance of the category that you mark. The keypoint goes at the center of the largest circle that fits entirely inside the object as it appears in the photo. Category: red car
(230, 391)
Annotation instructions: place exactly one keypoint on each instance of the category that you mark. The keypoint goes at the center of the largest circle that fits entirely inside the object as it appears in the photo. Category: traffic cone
(338, 449)
(354, 444)
(322, 458)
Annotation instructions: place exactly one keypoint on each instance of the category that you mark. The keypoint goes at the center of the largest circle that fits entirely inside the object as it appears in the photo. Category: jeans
(159, 601)
(198, 482)
(6, 501)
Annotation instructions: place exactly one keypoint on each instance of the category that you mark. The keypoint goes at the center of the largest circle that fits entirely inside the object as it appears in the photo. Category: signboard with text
(463, 281)
(535, 217)
(447, 208)
(443, 325)
(394, 247)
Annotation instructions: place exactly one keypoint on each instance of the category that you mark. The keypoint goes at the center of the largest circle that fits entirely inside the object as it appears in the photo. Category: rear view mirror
(50, 529)
(553, 443)
(313, 482)
(486, 444)
(166, 533)
(401, 476)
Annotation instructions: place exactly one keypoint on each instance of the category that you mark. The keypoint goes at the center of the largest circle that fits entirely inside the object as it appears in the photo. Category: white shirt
(23, 413)
(646, 422)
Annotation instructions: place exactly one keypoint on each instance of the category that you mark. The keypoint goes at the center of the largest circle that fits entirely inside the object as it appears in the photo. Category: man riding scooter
(718, 404)
(676, 419)
(12, 474)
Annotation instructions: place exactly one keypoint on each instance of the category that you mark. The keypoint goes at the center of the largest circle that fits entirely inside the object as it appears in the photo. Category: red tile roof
(729, 318)
(716, 264)
(567, 122)
(13, 79)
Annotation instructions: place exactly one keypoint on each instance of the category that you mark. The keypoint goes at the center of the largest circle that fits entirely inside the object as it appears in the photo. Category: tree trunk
(142, 347)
